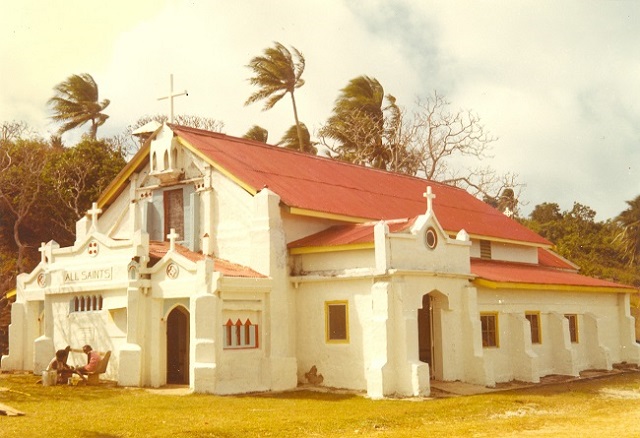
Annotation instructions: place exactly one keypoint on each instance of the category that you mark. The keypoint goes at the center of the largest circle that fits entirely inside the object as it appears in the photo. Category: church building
(233, 266)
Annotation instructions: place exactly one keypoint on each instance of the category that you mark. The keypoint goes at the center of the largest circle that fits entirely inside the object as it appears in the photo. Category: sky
(557, 82)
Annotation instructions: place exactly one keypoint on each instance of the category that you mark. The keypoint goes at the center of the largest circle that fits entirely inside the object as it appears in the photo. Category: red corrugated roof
(553, 260)
(329, 186)
(521, 273)
(157, 250)
(348, 234)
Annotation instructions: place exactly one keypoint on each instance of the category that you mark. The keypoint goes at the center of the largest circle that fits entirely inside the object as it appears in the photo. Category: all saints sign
(80, 275)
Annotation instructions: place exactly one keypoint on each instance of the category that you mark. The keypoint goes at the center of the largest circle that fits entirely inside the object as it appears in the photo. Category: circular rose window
(430, 238)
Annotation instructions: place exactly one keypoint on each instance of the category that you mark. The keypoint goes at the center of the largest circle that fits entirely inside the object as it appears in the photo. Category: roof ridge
(280, 149)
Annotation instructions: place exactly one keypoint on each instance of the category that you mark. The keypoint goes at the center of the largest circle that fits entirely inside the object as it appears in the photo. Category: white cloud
(557, 82)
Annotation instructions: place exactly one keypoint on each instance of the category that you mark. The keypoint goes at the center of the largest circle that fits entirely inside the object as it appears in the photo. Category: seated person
(93, 359)
(59, 364)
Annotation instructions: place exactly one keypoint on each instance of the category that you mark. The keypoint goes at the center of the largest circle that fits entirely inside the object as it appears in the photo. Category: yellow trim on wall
(328, 339)
(481, 282)
(122, 179)
(323, 215)
(335, 248)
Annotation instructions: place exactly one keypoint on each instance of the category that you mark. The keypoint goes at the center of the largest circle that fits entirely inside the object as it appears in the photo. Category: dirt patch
(620, 394)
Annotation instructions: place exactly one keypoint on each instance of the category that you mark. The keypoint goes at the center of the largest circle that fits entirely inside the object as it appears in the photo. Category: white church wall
(550, 304)
(298, 226)
(337, 261)
(231, 217)
(408, 251)
(507, 252)
(341, 363)
(115, 221)
(514, 253)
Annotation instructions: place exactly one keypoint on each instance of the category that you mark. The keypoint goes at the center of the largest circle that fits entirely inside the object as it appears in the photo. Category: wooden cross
(42, 249)
(172, 236)
(430, 196)
(94, 212)
(171, 96)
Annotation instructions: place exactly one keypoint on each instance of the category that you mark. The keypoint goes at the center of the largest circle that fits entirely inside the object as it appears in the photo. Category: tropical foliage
(590, 244)
(76, 102)
(291, 139)
(276, 73)
(257, 133)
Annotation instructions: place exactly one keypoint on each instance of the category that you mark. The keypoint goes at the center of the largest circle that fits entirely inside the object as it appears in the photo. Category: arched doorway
(178, 346)
(425, 332)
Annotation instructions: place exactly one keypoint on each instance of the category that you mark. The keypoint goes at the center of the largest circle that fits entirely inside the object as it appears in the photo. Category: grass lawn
(600, 407)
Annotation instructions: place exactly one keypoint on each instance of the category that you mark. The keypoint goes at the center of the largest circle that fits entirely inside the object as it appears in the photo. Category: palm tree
(629, 237)
(277, 73)
(290, 139)
(76, 103)
(257, 133)
(357, 123)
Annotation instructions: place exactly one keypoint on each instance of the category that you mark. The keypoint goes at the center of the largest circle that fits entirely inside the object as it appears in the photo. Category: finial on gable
(430, 196)
(172, 236)
(94, 212)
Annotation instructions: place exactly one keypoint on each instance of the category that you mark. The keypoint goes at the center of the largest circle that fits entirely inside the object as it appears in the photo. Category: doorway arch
(178, 346)
(430, 342)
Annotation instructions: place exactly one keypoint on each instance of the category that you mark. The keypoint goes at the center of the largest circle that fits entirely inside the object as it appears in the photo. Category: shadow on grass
(302, 395)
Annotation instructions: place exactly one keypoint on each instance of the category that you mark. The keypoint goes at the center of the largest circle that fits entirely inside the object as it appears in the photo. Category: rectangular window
(534, 320)
(174, 213)
(238, 335)
(489, 323)
(573, 327)
(337, 321)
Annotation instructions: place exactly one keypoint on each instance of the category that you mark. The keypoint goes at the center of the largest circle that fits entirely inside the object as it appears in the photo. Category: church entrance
(178, 346)
(425, 332)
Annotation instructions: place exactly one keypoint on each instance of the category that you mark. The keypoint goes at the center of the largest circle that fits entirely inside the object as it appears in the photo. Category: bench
(93, 377)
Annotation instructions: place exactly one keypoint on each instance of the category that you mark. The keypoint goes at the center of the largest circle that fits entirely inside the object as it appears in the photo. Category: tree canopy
(76, 102)
(276, 73)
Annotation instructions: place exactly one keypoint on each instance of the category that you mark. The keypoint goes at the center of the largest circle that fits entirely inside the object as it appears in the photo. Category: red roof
(522, 273)
(157, 250)
(329, 186)
(348, 234)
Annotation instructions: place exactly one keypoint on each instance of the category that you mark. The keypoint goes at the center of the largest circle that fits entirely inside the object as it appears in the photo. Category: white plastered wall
(601, 333)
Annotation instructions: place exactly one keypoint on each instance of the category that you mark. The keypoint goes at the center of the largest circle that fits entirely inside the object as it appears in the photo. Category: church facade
(233, 266)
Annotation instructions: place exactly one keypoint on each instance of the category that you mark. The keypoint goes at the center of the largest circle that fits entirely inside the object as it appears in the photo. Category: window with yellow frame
(534, 321)
(489, 323)
(336, 321)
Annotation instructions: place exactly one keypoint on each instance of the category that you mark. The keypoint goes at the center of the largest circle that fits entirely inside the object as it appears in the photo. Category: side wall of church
(598, 330)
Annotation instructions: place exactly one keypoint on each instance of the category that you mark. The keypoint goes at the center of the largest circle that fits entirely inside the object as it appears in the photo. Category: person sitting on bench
(59, 364)
(93, 359)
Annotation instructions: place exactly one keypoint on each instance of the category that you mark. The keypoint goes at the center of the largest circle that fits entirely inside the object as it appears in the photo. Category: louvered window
(485, 249)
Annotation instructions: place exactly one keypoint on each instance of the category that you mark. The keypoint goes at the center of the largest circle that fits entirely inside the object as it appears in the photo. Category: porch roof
(157, 250)
(503, 275)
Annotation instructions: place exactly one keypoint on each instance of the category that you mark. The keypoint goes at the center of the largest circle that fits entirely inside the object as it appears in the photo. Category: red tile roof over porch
(333, 187)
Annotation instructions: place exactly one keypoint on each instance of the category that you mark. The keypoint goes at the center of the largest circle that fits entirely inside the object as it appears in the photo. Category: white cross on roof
(42, 249)
(172, 236)
(94, 212)
(171, 96)
(430, 197)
